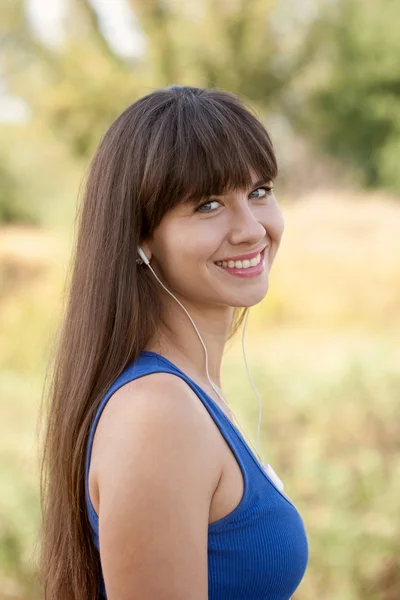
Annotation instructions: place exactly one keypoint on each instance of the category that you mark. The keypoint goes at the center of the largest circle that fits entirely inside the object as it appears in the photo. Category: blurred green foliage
(354, 111)
(332, 74)
(9, 210)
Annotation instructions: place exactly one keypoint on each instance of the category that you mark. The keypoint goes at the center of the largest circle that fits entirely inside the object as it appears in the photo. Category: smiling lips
(243, 257)
(244, 268)
(240, 264)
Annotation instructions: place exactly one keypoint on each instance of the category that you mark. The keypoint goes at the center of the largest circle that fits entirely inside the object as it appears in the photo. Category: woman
(150, 491)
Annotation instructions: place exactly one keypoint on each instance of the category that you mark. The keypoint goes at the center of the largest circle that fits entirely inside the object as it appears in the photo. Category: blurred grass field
(323, 349)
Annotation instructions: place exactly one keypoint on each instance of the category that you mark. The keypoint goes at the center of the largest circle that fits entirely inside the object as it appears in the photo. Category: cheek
(274, 225)
(195, 243)
(277, 224)
(181, 256)
(280, 225)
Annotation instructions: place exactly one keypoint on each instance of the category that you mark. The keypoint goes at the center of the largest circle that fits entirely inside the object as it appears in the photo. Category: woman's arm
(156, 478)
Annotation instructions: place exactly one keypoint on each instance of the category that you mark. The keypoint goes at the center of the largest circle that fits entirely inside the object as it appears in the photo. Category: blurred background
(323, 347)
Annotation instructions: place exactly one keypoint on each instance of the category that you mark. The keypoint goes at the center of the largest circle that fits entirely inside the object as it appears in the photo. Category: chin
(249, 299)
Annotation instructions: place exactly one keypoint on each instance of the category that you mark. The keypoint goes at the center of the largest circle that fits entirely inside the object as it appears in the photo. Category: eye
(206, 204)
(266, 189)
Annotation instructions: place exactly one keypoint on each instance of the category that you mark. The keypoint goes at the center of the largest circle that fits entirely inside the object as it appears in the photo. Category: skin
(183, 251)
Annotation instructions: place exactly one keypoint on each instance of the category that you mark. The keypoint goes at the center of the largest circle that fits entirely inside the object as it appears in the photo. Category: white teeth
(239, 264)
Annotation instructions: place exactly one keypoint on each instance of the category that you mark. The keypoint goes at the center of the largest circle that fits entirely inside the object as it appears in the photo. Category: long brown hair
(168, 147)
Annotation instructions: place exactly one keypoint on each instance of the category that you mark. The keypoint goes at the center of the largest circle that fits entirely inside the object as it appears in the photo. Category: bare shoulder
(155, 475)
(156, 400)
(167, 405)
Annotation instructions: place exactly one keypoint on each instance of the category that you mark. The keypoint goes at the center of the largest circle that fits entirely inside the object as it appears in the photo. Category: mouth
(244, 268)
(241, 264)
(242, 257)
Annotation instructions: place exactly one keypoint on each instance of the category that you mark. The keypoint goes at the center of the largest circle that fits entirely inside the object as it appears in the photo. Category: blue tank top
(259, 551)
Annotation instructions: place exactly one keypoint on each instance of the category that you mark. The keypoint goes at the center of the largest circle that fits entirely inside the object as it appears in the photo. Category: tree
(79, 87)
(353, 110)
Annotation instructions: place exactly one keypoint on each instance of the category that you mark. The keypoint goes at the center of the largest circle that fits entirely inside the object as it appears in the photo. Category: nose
(245, 227)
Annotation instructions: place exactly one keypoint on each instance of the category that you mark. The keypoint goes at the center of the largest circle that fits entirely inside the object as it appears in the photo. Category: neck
(178, 340)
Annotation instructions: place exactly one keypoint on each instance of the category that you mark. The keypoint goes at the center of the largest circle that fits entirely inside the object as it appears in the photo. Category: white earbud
(143, 258)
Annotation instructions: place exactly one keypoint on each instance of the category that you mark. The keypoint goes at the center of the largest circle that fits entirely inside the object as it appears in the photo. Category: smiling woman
(148, 487)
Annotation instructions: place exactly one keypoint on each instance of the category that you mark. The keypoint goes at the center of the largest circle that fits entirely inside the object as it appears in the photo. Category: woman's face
(190, 240)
